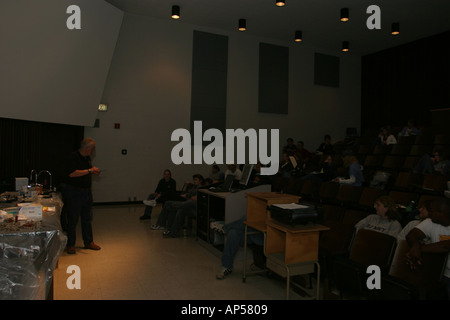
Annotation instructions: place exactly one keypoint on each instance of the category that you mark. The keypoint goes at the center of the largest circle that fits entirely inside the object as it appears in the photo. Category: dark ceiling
(318, 19)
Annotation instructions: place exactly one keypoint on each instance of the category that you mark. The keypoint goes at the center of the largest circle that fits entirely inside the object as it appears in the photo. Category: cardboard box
(21, 182)
(31, 211)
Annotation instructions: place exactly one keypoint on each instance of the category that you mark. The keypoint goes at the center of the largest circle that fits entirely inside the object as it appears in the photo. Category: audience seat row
(426, 137)
(345, 255)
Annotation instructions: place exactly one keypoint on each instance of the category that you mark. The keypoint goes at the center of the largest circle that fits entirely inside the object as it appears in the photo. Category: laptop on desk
(242, 184)
(226, 186)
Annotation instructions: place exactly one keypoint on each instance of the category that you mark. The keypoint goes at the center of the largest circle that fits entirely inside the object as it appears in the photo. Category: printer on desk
(294, 213)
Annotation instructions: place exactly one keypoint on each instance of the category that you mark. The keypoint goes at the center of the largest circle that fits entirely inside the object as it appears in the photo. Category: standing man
(78, 195)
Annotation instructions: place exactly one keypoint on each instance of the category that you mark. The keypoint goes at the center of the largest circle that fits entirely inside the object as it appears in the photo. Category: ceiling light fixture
(395, 29)
(279, 3)
(344, 15)
(242, 25)
(298, 36)
(345, 46)
(175, 12)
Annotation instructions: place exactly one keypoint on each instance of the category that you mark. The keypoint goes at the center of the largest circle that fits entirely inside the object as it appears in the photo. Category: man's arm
(414, 238)
(80, 173)
(437, 247)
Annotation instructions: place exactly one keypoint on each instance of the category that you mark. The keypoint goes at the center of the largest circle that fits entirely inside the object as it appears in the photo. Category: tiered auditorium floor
(137, 263)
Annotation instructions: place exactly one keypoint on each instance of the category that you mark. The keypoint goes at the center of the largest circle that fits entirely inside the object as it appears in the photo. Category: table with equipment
(258, 213)
(291, 243)
(30, 249)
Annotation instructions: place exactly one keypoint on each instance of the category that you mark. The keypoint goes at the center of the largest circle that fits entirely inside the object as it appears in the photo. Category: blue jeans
(446, 281)
(168, 212)
(148, 209)
(78, 205)
(424, 165)
(235, 233)
(187, 209)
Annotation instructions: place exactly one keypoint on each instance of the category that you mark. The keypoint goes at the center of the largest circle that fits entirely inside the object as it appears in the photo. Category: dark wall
(27, 145)
(405, 82)
(209, 80)
(273, 79)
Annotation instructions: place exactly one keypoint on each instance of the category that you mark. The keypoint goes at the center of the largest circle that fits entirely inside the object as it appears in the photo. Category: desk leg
(245, 254)
(246, 234)
(318, 281)
(288, 281)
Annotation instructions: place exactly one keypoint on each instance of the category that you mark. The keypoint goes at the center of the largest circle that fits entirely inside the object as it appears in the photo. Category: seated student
(385, 220)
(286, 167)
(233, 170)
(256, 178)
(385, 137)
(325, 146)
(165, 190)
(216, 176)
(290, 147)
(356, 177)
(409, 130)
(170, 208)
(437, 163)
(326, 171)
(235, 233)
(187, 209)
(301, 152)
(437, 228)
(424, 210)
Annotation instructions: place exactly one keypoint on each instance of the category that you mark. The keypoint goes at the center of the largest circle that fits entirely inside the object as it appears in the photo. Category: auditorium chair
(404, 283)
(420, 149)
(328, 191)
(373, 161)
(350, 273)
(333, 243)
(310, 191)
(400, 149)
(367, 198)
(410, 162)
(352, 216)
(407, 181)
(393, 163)
(406, 139)
(403, 198)
(347, 195)
(382, 149)
(433, 184)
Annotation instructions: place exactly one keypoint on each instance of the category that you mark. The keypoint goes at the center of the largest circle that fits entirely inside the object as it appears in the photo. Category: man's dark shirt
(78, 162)
(166, 188)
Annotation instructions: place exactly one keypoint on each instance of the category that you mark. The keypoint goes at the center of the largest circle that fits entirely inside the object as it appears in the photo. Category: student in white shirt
(233, 170)
(424, 210)
(437, 228)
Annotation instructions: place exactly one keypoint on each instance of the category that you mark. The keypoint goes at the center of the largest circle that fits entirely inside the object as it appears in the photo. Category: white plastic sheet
(29, 253)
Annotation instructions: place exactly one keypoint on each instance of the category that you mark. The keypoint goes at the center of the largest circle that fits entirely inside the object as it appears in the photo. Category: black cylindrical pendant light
(175, 12)
(344, 15)
(242, 25)
(345, 46)
(395, 29)
(298, 36)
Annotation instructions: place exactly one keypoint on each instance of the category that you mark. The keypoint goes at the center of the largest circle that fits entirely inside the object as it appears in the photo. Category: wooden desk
(293, 250)
(295, 244)
(258, 204)
(258, 213)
